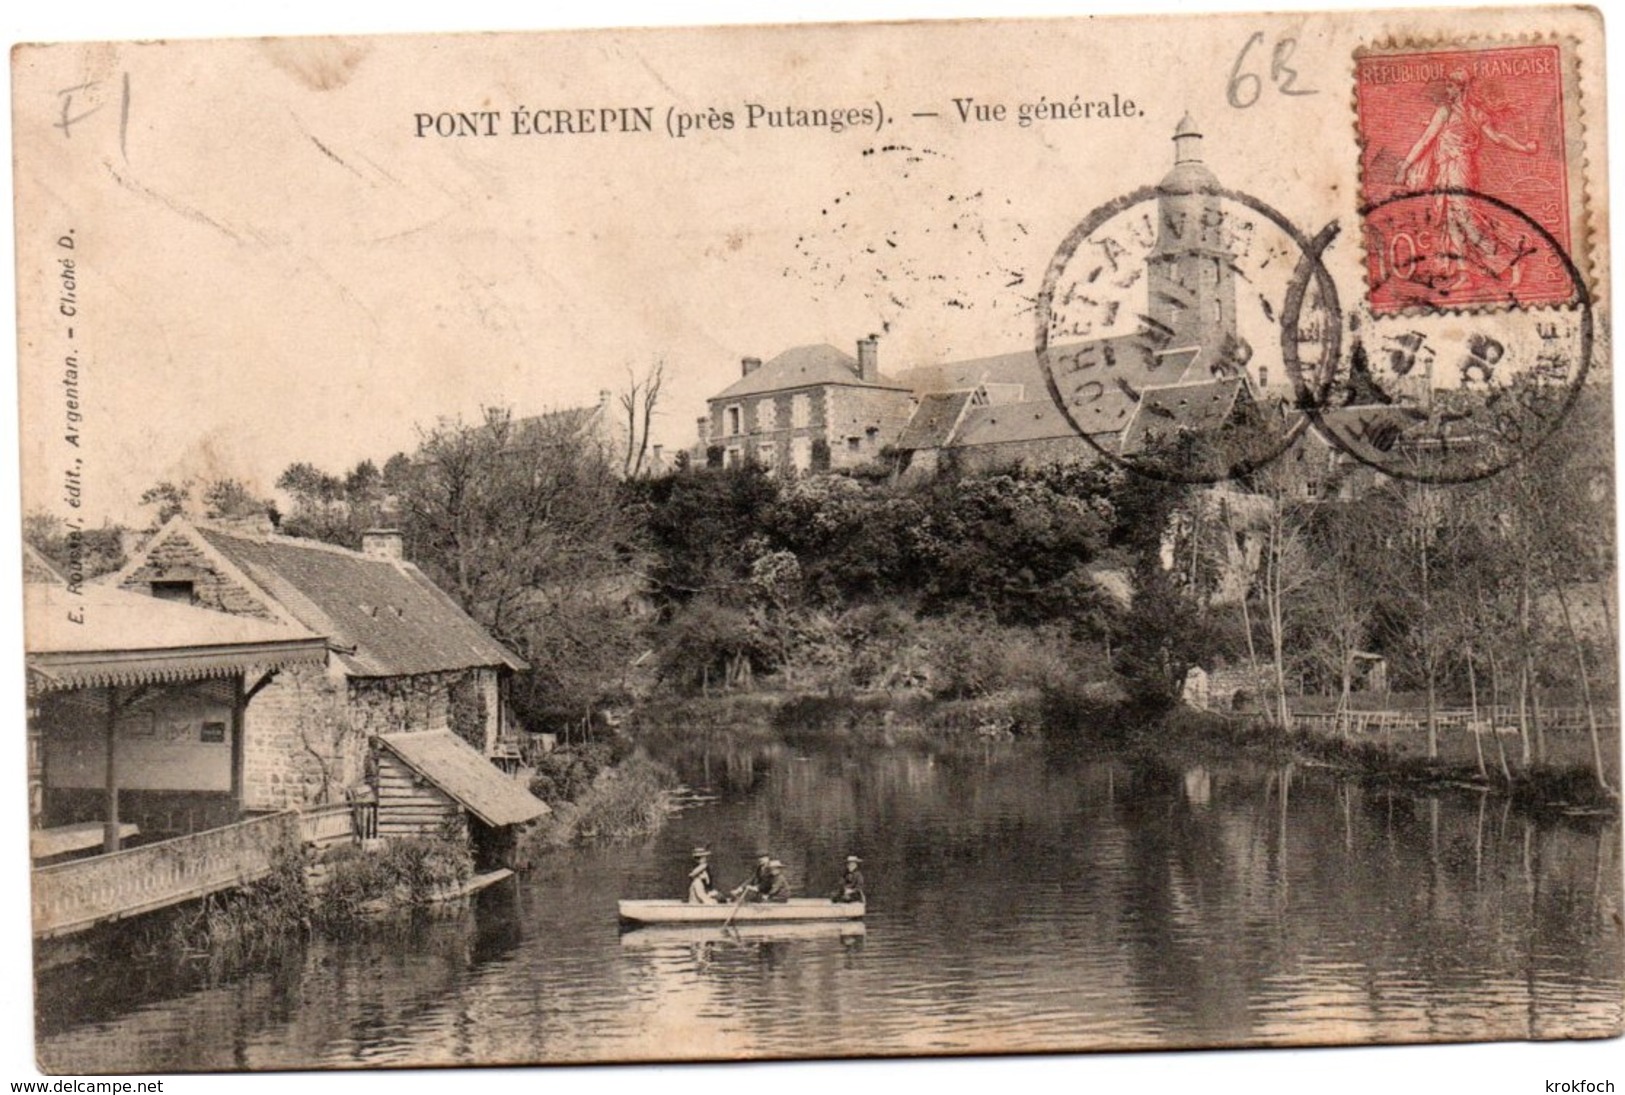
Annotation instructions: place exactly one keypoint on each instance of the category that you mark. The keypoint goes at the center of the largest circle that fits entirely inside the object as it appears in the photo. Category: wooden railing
(70, 897)
(1502, 719)
(325, 826)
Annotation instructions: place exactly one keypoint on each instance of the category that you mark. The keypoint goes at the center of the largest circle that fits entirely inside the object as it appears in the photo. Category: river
(1018, 901)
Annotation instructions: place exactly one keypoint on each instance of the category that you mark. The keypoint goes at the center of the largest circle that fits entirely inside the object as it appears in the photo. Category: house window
(174, 591)
(734, 422)
(733, 457)
(800, 410)
(214, 733)
(801, 453)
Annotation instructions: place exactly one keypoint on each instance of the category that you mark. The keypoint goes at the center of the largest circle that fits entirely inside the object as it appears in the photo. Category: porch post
(239, 705)
(110, 839)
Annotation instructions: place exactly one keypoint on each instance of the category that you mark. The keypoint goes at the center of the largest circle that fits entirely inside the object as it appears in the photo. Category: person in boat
(777, 887)
(757, 882)
(700, 890)
(851, 888)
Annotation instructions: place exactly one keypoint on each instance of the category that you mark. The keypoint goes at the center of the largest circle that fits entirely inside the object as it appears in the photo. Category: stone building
(811, 408)
(402, 656)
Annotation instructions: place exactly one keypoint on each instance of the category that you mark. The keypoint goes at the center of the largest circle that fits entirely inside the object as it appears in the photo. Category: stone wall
(301, 747)
(180, 559)
(308, 735)
(872, 417)
(1054, 450)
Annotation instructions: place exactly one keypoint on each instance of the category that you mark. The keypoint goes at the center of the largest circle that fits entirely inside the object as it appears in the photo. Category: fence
(1502, 720)
(325, 826)
(70, 897)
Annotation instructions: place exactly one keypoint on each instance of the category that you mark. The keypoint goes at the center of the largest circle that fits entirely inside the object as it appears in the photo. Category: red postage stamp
(1464, 167)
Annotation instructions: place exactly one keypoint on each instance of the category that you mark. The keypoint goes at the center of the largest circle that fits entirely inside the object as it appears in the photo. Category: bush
(972, 656)
(403, 872)
(628, 799)
(568, 771)
(246, 921)
(1072, 711)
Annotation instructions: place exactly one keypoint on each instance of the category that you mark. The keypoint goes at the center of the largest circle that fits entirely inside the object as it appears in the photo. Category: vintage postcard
(821, 541)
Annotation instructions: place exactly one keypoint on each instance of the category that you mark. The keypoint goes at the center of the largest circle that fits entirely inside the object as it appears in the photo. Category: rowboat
(661, 936)
(683, 912)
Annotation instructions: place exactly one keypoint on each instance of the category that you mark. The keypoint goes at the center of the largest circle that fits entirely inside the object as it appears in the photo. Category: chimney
(381, 543)
(257, 523)
(749, 365)
(869, 359)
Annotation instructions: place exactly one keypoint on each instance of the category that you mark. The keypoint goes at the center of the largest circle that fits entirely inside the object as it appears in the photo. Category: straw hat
(853, 859)
(701, 852)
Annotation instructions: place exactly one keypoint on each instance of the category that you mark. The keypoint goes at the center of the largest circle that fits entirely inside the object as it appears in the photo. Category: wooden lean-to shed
(435, 784)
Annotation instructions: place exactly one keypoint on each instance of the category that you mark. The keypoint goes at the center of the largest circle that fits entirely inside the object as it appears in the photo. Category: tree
(638, 404)
(98, 551)
(171, 498)
(232, 498)
(529, 528)
(1165, 630)
(210, 499)
(338, 510)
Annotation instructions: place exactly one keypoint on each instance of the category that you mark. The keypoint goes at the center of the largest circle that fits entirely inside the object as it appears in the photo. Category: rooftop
(384, 616)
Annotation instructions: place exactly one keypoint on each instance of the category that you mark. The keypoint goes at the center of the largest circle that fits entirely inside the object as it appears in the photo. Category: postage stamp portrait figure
(1480, 136)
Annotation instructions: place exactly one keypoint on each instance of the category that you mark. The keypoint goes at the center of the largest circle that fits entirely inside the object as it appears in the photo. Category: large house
(810, 408)
(402, 656)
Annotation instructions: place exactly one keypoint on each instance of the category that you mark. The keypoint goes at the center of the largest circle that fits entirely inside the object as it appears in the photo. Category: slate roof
(934, 420)
(385, 618)
(1103, 384)
(458, 769)
(1123, 359)
(1020, 367)
(800, 367)
(1004, 423)
(1171, 409)
(130, 638)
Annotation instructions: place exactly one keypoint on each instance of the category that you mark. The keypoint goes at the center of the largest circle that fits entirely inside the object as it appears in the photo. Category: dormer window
(179, 592)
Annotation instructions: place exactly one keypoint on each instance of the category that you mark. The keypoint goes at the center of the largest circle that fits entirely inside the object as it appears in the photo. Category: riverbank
(878, 719)
(1093, 720)
(1186, 735)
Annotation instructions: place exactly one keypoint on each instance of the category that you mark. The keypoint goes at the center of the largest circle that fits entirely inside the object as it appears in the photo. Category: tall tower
(1191, 274)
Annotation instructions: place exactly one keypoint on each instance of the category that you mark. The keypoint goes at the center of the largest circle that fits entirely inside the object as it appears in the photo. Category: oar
(743, 891)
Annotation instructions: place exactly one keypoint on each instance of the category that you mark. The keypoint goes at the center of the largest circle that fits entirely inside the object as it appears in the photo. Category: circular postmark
(1452, 375)
(1179, 325)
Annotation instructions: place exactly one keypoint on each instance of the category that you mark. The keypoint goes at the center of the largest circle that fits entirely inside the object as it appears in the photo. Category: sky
(275, 272)
(273, 265)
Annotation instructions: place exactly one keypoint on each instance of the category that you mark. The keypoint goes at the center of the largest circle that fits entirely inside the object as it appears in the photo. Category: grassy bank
(1084, 723)
(402, 874)
(603, 790)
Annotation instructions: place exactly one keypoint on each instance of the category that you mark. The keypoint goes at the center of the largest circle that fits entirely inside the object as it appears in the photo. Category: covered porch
(136, 716)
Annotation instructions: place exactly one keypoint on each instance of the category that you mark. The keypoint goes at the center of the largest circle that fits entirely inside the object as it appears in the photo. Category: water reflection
(1018, 900)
